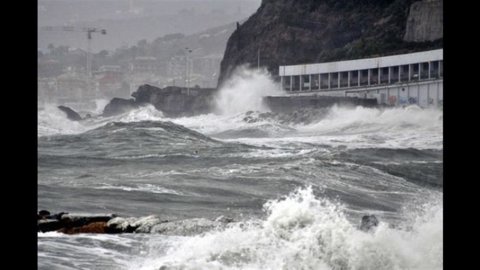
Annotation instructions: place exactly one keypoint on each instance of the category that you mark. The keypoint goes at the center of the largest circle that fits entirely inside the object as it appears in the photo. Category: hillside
(287, 32)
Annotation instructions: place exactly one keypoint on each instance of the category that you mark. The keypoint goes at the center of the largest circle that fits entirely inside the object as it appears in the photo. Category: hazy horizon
(128, 21)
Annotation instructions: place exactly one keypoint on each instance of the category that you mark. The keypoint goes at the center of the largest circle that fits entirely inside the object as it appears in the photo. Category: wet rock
(48, 225)
(71, 114)
(94, 227)
(176, 101)
(119, 106)
(111, 224)
(43, 214)
(80, 220)
(425, 21)
(145, 93)
(145, 224)
(121, 225)
(133, 225)
(369, 222)
(186, 227)
(68, 223)
(57, 216)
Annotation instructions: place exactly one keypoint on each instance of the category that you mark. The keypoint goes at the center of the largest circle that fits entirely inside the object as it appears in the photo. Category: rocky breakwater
(72, 224)
(287, 104)
(112, 224)
(172, 101)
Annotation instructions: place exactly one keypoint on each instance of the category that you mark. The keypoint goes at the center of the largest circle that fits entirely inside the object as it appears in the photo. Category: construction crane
(88, 30)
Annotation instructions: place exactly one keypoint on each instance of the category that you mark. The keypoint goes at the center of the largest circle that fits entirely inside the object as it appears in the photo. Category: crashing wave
(304, 232)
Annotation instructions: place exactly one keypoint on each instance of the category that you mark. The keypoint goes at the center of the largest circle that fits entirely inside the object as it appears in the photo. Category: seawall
(292, 103)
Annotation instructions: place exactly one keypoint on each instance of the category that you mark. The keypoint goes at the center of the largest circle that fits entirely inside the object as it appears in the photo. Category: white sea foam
(100, 105)
(148, 188)
(87, 251)
(369, 120)
(245, 90)
(304, 232)
(213, 123)
(373, 127)
(356, 127)
(52, 121)
(144, 113)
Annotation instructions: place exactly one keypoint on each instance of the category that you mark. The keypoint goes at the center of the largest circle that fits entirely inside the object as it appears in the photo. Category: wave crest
(304, 231)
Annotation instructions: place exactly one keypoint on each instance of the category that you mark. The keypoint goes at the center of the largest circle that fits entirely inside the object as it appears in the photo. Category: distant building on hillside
(73, 86)
(110, 82)
(208, 68)
(144, 64)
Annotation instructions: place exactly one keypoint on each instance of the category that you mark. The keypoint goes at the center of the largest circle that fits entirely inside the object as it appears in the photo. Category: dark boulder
(43, 213)
(119, 106)
(176, 101)
(145, 93)
(80, 220)
(71, 224)
(71, 114)
(57, 216)
(94, 227)
(48, 225)
(368, 223)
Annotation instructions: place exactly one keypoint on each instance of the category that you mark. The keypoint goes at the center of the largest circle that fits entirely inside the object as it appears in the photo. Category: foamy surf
(302, 231)
(191, 170)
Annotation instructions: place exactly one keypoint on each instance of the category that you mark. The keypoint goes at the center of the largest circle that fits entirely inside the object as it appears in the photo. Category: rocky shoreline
(112, 224)
(172, 101)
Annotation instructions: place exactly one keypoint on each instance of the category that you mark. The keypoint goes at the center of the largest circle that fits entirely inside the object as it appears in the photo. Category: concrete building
(110, 82)
(47, 89)
(144, 64)
(73, 86)
(414, 78)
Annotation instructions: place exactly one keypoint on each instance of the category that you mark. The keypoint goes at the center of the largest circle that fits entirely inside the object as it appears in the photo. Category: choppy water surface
(296, 186)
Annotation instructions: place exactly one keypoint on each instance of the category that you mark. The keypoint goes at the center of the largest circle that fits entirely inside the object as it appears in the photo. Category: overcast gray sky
(128, 21)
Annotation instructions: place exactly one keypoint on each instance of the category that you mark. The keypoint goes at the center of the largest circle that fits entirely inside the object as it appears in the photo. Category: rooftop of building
(362, 64)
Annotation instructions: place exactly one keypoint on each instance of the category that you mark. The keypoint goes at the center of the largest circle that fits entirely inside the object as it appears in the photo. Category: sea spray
(361, 119)
(302, 231)
(144, 113)
(245, 90)
(100, 105)
(53, 121)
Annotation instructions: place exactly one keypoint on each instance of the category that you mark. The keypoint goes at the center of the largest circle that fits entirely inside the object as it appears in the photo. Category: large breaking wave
(305, 232)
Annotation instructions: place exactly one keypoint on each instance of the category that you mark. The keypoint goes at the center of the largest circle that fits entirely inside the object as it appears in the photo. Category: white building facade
(397, 80)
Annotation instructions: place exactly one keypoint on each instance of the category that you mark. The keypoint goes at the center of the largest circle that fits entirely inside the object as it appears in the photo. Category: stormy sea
(246, 188)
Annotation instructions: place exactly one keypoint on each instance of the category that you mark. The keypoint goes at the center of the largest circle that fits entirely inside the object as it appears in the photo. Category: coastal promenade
(396, 80)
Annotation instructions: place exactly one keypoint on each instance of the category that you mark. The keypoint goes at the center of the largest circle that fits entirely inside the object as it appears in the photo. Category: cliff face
(288, 32)
(425, 21)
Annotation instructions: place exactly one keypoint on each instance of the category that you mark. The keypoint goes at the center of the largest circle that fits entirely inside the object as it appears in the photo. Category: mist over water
(296, 185)
(244, 91)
